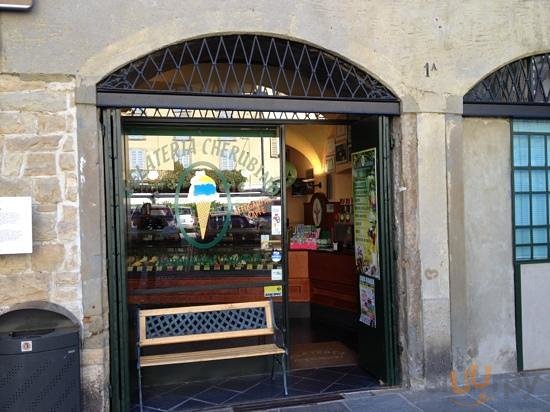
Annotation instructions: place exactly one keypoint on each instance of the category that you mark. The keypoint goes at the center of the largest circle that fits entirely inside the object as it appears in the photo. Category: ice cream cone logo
(202, 192)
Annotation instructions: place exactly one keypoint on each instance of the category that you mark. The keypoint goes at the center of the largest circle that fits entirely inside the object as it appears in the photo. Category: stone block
(12, 164)
(35, 101)
(17, 288)
(72, 260)
(45, 208)
(61, 83)
(32, 144)
(92, 357)
(94, 341)
(10, 186)
(47, 257)
(68, 144)
(93, 388)
(43, 226)
(64, 295)
(51, 123)
(17, 123)
(15, 263)
(66, 279)
(67, 227)
(40, 164)
(67, 162)
(46, 190)
(11, 83)
(70, 191)
(93, 325)
(92, 296)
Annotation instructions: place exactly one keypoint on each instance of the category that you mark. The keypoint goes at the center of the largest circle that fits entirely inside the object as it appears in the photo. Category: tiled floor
(527, 391)
(216, 393)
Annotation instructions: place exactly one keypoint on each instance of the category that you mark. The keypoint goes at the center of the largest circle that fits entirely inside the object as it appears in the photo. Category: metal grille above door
(519, 89)
(245, 65)
(237, 65)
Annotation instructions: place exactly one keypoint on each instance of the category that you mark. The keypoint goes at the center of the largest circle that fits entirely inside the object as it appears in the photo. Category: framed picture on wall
(331, 146)
(342, 155)
(329, 163)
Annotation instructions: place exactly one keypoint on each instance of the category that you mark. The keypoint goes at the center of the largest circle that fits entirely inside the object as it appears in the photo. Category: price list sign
(365, 212)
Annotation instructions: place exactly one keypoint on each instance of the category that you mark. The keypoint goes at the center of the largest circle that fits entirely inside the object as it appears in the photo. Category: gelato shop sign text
(211, 147)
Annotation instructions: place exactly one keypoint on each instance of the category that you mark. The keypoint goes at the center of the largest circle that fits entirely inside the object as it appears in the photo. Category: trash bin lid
(23, 320)
(35, 316)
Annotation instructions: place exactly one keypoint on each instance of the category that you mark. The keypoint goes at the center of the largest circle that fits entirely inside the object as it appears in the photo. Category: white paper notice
(15, 225)
(276, 220)
(276, 274)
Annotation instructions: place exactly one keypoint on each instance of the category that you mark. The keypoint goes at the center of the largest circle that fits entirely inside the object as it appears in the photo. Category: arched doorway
(217, 98)
(520, 93)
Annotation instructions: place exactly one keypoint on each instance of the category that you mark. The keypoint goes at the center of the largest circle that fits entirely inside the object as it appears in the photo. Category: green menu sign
(365, 212)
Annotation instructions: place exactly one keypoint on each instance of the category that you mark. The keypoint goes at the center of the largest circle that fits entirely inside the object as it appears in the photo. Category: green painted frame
(518, 263)
(387, 251)
(114, 161)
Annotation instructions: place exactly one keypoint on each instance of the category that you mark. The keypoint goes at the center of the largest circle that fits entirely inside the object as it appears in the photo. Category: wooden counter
(330, 276)
(298, 276)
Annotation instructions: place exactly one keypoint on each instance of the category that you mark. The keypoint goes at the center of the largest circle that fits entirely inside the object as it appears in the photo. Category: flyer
(365, 212)
(367, 300)
(276, 220)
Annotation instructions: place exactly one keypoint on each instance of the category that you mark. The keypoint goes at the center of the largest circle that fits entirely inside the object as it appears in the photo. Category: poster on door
(365, 212)
(367, 300)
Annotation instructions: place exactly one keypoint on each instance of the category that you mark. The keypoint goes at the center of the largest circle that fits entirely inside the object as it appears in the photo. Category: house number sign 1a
(430, 67)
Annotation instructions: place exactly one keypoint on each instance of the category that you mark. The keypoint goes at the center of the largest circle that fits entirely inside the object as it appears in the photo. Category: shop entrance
(337, 214)
(199, 206)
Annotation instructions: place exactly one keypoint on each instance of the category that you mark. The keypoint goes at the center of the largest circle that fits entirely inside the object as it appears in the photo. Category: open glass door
(372, 216)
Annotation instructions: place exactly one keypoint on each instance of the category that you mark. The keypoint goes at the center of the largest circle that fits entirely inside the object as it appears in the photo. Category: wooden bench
(208, 323)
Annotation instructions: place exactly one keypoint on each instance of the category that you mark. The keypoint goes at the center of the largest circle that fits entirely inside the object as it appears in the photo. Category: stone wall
(38, 152)
(38, 147)
(489, 313)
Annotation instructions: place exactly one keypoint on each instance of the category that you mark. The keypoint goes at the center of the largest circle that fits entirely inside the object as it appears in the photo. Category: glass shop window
(531, 189)
(201, 215)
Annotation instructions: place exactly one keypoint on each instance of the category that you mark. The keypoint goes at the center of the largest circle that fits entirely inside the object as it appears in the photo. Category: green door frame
(387, 250)
(114, 157)
(115, 205)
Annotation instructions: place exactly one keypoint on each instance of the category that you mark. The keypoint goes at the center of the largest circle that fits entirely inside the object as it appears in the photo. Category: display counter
(180, 275)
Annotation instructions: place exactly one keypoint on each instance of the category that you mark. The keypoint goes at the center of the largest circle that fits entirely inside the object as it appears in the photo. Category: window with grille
(227, 160)
(531, 188)
(137, 159)
(185, 157)
(274, 147)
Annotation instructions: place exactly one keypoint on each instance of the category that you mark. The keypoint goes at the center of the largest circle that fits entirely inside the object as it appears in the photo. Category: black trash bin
(39, 359)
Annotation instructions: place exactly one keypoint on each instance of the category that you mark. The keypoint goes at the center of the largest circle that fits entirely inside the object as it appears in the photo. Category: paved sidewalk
(508, 392)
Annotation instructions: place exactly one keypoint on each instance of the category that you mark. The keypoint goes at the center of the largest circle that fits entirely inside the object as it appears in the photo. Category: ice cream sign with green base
(202, 193)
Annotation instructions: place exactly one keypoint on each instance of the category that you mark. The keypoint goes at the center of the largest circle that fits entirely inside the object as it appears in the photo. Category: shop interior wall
(488, 287)
(295, 204)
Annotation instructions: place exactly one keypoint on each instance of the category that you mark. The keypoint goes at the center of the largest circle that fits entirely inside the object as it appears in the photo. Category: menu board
(365, 212)
(15, 225)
